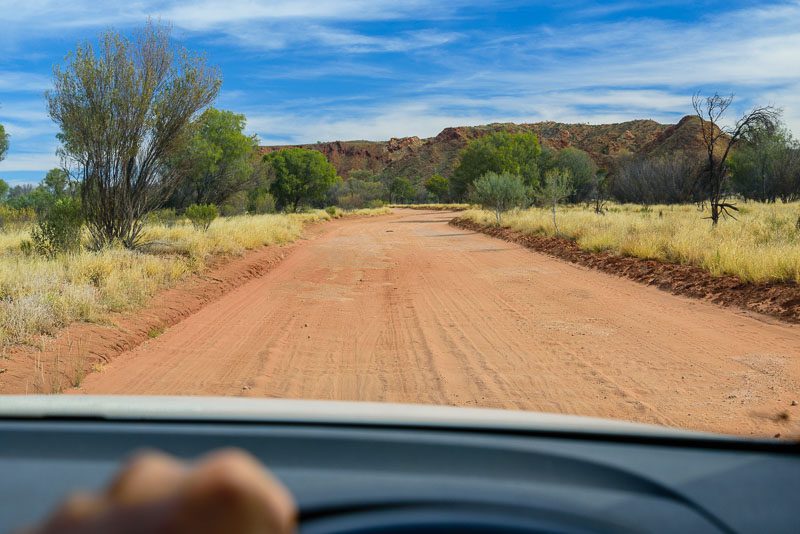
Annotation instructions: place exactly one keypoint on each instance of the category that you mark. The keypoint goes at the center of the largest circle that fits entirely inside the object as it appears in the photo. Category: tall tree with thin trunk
(499, 192)
(556, 188)
(718, 141)
(125, 109)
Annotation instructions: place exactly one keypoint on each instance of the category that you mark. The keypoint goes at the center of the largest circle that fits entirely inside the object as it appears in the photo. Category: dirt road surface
(406, 308)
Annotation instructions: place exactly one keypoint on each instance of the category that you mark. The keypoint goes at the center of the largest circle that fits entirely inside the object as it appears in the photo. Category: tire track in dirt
(406, 308)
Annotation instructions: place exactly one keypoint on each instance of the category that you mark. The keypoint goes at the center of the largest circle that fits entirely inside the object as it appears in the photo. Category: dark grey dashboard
(374, 477)
(391, 468)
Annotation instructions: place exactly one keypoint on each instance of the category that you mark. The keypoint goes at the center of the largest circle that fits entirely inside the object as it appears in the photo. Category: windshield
(583, 209)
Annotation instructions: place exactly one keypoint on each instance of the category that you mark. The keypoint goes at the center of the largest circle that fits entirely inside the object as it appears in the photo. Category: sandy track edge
(779, 300)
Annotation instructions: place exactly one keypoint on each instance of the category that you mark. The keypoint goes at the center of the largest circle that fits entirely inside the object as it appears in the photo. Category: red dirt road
(405, 308)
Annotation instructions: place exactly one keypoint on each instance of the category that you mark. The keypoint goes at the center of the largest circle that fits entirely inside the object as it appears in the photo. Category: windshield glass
(583, 209)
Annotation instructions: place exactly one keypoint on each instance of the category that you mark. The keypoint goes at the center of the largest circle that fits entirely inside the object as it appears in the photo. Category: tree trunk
(555, 225)
(714, 211)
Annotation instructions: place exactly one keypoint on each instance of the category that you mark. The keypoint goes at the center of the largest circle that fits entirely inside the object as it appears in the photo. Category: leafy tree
(11, 216)
(3, 142)
(357, 193)
(499, 192)
(582, 168)
(766, 165)
(56, 182)
(719, 141)
(500, 152)
(556, 187)
(302, 176)
(28, 197)
(260, 202)
(599, 191)
(4, 187)
(547, 161)
(236, 204)
(364, 175)
(125, 112)
(402, 190)
(657, 179)
(18, 191)
(218, 159)
(438, 186)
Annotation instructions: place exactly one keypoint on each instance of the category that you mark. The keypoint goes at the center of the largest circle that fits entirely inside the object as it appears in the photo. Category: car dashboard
(360, 476)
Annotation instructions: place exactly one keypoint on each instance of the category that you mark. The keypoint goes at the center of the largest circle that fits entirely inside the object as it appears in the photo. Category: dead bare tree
(718, 142)
(124, 112)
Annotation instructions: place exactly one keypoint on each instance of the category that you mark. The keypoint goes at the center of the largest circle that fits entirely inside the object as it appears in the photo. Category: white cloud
(17, 81)
(570, 72)
(29, 161)
(427, 116)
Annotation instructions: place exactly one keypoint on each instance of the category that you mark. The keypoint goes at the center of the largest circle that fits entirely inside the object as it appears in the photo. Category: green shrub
(165, 217)
(202, 215)
(331, 210)
(262, 202)
(499, 192)
(15, 217)
(236, 204)
(58, 230)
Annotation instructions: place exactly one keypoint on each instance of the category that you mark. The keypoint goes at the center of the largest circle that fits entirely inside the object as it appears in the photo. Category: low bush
(12, 217)
(165, 217)
(261, 203)
(201, 215)
(58, 230)
(499, 192)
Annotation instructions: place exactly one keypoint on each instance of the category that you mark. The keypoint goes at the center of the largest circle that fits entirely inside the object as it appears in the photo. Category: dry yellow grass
(438, 207)
(763, 245)
(39, 295)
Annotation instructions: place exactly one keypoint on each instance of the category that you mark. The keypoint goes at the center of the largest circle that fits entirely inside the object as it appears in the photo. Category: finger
(149, 476)
(77, 510)
(230, 491)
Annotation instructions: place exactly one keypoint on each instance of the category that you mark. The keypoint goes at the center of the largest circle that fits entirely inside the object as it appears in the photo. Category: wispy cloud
(29, 161)
(20, 81)
(309, 70)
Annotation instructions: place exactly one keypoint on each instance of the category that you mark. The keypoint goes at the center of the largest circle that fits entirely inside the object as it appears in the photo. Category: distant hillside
(414, 157)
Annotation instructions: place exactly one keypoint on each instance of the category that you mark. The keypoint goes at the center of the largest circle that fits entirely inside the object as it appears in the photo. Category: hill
(414, 157)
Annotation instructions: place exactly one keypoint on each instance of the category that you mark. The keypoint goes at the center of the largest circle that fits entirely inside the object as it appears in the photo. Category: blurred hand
(228, 491)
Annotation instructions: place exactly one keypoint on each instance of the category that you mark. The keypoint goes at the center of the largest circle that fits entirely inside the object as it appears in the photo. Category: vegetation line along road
(780, 299)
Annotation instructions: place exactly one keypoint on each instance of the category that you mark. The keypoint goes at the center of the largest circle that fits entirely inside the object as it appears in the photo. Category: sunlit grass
(763, 245)
(40, 295)
(442, 207)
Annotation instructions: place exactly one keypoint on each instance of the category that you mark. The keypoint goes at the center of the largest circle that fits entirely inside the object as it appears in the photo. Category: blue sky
(305, 71)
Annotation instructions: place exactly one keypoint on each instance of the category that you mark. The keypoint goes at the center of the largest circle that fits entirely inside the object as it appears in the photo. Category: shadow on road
(427, 221)
(453, 235)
